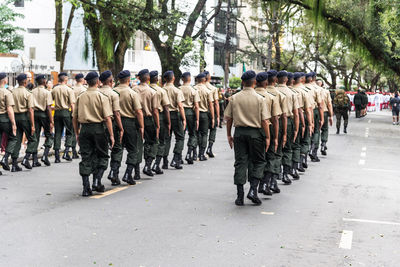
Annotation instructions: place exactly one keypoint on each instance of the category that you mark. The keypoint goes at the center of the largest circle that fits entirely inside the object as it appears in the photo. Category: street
(342, 212)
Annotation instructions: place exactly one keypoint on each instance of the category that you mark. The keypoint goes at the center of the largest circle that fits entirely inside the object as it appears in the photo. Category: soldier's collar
(92, 89)
(248, 88)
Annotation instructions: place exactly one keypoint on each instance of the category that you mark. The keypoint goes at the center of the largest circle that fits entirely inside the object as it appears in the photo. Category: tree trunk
(278, 52)
(119, 57)
(58, 28)
(268, 61)
(66, 37)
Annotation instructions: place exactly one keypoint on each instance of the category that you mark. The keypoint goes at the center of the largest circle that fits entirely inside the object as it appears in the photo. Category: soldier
(132, 123)
(213, 128)
(274, 108)
(165, 122)
(78, 89)
(7, 121)
(43, 100)
(150, 108)
(328, 118)
(206, 106)
(292, 124)
(92, 110)
(248, 113)
(64, 101)
(24, 119)
(178, 119)
(107, 80)
(191, 106)
(341, 106)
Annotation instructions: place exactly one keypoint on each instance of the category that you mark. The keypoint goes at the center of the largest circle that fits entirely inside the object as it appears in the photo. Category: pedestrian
(248, 113)
(92, 111)
(132, 123)
(212, 128)
(341, 107)
(395, 106)
(78, 89)
(191, 106)
(165, 123)
(43, 100)
(64, 101)
(358, 102)
(328, 119)
(221, 100)
(24, 119)
(178, 119)
(8, 127)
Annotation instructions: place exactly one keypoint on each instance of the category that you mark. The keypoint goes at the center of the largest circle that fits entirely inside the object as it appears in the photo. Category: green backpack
(341, 101)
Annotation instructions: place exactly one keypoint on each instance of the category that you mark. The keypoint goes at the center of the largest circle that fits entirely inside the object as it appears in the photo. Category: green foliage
(235, 82)
(9, 38)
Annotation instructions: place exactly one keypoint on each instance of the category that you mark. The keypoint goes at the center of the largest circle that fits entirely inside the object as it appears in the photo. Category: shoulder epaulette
(282, 93)
(116, 91)
(271, 93)
(260, 94)
(81, 93)
(102, 93)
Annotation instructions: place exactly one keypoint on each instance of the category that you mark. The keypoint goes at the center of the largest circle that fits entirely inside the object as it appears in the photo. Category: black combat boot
(315, 155)
(285, 179)
(240, 195)
(66, 155)
(323, 148)
(25, 161)
(310, 153)
(263, 186)
(86, 187)
(165, 163)
(4, 162)
(345, 129)
(156, 166)
(97, 186)
(57, 156)
(147, 167)
(274, 184)
(300, 166)
(45, 157)
(252, 195)
(337, 130)
(128, 175)
(137, 172)
(15, 167)
(188, 157)
(113, 175)
(304, 162)
(294, 173)
(75, 153)
(209, 150)
(201, 155)
(194, 154)
(177, 161)
(35, 162)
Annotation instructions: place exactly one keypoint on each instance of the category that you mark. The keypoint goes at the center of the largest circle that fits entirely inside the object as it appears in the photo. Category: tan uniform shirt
(191, 96)
(247, 109)
(315, 93)
(306, 101)
(78, 89)
(175, 96)
(6, 100)
(326, 96)
(280, 97)
(271, 100)
(299, 97)
(162, 97)
(63, 97)
(92, 107)
(113, 97)
(23, 99)
(214, 91)
(41, 98)
(291, 98)
(148, 99)
(205, 95)
(129, 101)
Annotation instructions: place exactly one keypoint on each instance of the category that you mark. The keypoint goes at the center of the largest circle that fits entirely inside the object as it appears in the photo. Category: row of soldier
(279, 118)
(141, 120)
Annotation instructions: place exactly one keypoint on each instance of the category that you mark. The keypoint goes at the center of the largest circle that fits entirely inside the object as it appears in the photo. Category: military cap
(297, 75)
(2, 75)
(206, 73)
(262, 76)
(105, 75)
(272, 73)
(201, 75)
(314, 74)
(309, 75)
(185, 74)
(153, 73)
(143, 72)
(282, 73)
(21, 77)
(124, 74)
(91, 75)
(290, 75)
(61, 74)
(79, 76)
(248, 75)
(168, 73)
(40, 77)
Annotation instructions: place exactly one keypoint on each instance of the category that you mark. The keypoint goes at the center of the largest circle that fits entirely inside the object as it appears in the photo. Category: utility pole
(227, 45)
(203, 38)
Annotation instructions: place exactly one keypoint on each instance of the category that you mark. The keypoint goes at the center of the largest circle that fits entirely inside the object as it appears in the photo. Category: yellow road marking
(112, 191)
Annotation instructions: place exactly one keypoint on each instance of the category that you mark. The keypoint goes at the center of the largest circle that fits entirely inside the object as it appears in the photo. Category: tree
(9, 38)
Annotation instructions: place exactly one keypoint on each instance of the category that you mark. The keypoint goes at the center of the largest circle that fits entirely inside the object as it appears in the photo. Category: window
(220, 24)
(19, 3)
(131, 56)
(219, 55)
(32, 52)
(33, 31)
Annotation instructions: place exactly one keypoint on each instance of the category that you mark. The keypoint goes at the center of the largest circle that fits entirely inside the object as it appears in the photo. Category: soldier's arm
(182, 111)
(51, 119)
(168, 117)
(210, 104)
(301, 116)
(117, 117)
(110, 131)
(10, 112)
(265, 125)
(275, 125)
(216, 104)
(310, 118)
(32, 120)
(284, 128)
(296, 123)
(321, 106)
(76, 127)
(197, 112)
(156, 115)
(139, 116)
(229, 122)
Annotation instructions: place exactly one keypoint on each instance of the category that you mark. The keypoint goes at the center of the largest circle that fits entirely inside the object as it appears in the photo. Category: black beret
(91, 75)
(143, 72)
(282, 73)
(309, 75)
(105, 75)
(297, 75)
(40, 77)
(21, 77)
(2, 75)
(79, 76)
(124, 74)
(314, 74)
(168, 73)
(206, 72)
(185, 74)
(248, 75)
(262, 76)
(61, 74)
(153, 73)
(290, 75)
(272, 73)
(201, 75)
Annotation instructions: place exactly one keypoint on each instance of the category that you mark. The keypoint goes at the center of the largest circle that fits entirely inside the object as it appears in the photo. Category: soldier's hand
(295, 136)
(112, 142)
(51, 127)
(121, 136)
(32, 130)
(77, 139)
(310, 129)
(330, 121)
(212, 123)
(284, 139)
(276, 144)
(321, 123)
(158, 132)
(303, 130)
(14, 129)
(142, 132)
(184, 124)
(230, 141)
(169, 129)
(267, 143)
(197, 125)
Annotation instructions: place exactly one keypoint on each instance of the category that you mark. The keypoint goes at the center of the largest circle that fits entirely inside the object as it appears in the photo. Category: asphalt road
(343, 212)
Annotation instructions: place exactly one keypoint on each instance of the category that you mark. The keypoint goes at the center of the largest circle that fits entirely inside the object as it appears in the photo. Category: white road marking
(267, 213)
(361, 162)
(370, 221)
(363, 154)
(364, 148)
(346, 239)
(380, 170)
